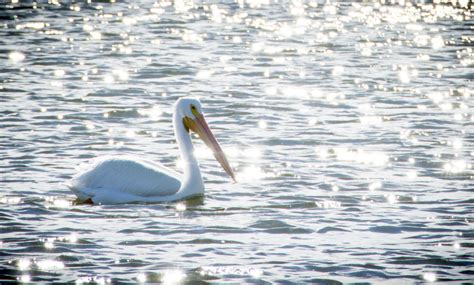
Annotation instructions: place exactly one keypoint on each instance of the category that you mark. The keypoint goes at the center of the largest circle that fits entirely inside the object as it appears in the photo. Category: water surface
(350, 127)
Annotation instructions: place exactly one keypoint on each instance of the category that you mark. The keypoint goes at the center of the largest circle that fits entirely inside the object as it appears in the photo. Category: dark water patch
(230, 230)
(429, 261)
(133, 263)
(326, 269)
(331, 229)
(322, 281)
(211, 241)
(279, 227)
(369, 274)
(386, 229)
(147, 242)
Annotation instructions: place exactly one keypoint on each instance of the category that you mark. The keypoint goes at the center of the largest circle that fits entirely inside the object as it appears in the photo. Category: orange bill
(200, 126)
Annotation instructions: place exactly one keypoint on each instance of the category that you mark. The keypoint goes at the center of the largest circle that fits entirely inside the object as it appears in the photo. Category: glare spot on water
(262, 124)
(312, 121)
(141, 278)
(90, 126)
(16, 56)
(95, 35)
(322, 153)
(337, 71)
(457, 166)
(59, 73)
(87, 27)
(72, 238)
(231, 270)
(57, 202)
(204, 74)
(436, 97)
(414, 27)
(327, 204)
(361, 156)
(370, 120)
(375, 186)
(430, 277)
(25, 278)
(95, 279)
(412, 174)
(437, 42)
(252, 173)
(202, 151)
(253, 152)
(232, 151)
(24, 264)
(130, 134)
(49, 244)
(109, 79)
(129, 21)
(32, 25)
(457, 143)
(171, 277)
(10, 200)
(392, 199)
(154, 113)
(180, 207)
(48, 265)
(120, 74)
(404, 75)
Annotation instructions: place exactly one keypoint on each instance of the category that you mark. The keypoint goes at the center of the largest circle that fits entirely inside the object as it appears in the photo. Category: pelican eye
(194, 110)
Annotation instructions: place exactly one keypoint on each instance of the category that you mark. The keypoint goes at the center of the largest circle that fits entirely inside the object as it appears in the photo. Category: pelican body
(125, 179)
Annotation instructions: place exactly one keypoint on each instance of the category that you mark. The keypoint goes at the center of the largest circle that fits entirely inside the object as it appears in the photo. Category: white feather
(125, 176)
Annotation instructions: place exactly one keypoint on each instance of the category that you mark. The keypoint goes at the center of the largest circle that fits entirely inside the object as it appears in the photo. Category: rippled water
(350, 127)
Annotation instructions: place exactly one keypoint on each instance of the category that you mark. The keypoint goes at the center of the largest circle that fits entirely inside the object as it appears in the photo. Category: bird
(127, 179)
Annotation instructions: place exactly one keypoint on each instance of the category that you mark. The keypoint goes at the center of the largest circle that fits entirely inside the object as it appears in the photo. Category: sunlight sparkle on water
(58, 202)
(231, 270)
(392, 199)
(141, 278)
(25, 278)
(24, 264)
(59, 73)
(327, 204)
(375, 186)
(171, 277)
(437, 42)
(370, 120)
(356, 155)
(16, 56)
(10, 200)
(49, 265)
(109, 79)
(49, 244)
(154, 112)
(180, 207)
(457, 166)
(430, 277)
(252, 173)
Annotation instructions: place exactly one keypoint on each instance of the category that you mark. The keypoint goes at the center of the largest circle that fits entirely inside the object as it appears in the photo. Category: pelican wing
(125, 178)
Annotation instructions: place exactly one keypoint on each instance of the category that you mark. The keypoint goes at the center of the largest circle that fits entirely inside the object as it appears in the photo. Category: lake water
(349, 125)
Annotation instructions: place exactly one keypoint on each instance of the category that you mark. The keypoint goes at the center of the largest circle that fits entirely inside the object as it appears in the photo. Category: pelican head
(189, 110)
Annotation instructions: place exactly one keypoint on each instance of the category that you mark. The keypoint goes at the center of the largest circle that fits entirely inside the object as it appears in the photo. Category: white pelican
(114, 180)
